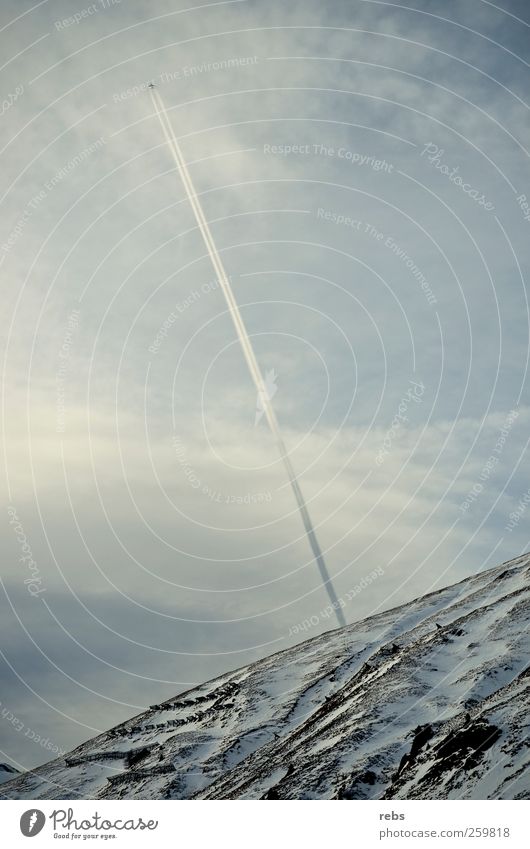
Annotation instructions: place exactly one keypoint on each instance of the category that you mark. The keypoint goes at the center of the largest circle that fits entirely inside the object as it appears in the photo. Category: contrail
(248, 351)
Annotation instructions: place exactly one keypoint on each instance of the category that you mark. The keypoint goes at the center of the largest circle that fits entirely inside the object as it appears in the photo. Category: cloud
(157, 513)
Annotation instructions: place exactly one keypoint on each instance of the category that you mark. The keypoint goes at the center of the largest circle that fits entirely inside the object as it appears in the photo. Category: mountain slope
(7, 773)
(428, 700)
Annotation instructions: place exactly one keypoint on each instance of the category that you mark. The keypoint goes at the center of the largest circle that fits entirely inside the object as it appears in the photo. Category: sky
(364, 169)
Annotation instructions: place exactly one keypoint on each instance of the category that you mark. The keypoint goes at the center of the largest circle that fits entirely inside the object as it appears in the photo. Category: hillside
(428, 700)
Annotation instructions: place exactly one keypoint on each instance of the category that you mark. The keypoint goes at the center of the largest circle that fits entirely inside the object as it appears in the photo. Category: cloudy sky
(364, 168)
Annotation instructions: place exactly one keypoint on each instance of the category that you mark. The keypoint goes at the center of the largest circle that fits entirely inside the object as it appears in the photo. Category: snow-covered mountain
(428, 700)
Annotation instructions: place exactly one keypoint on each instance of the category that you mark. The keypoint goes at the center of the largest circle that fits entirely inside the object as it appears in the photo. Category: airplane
(151, 85)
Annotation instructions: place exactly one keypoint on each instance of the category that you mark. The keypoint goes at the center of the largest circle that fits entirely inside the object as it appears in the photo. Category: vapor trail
(248, 351)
